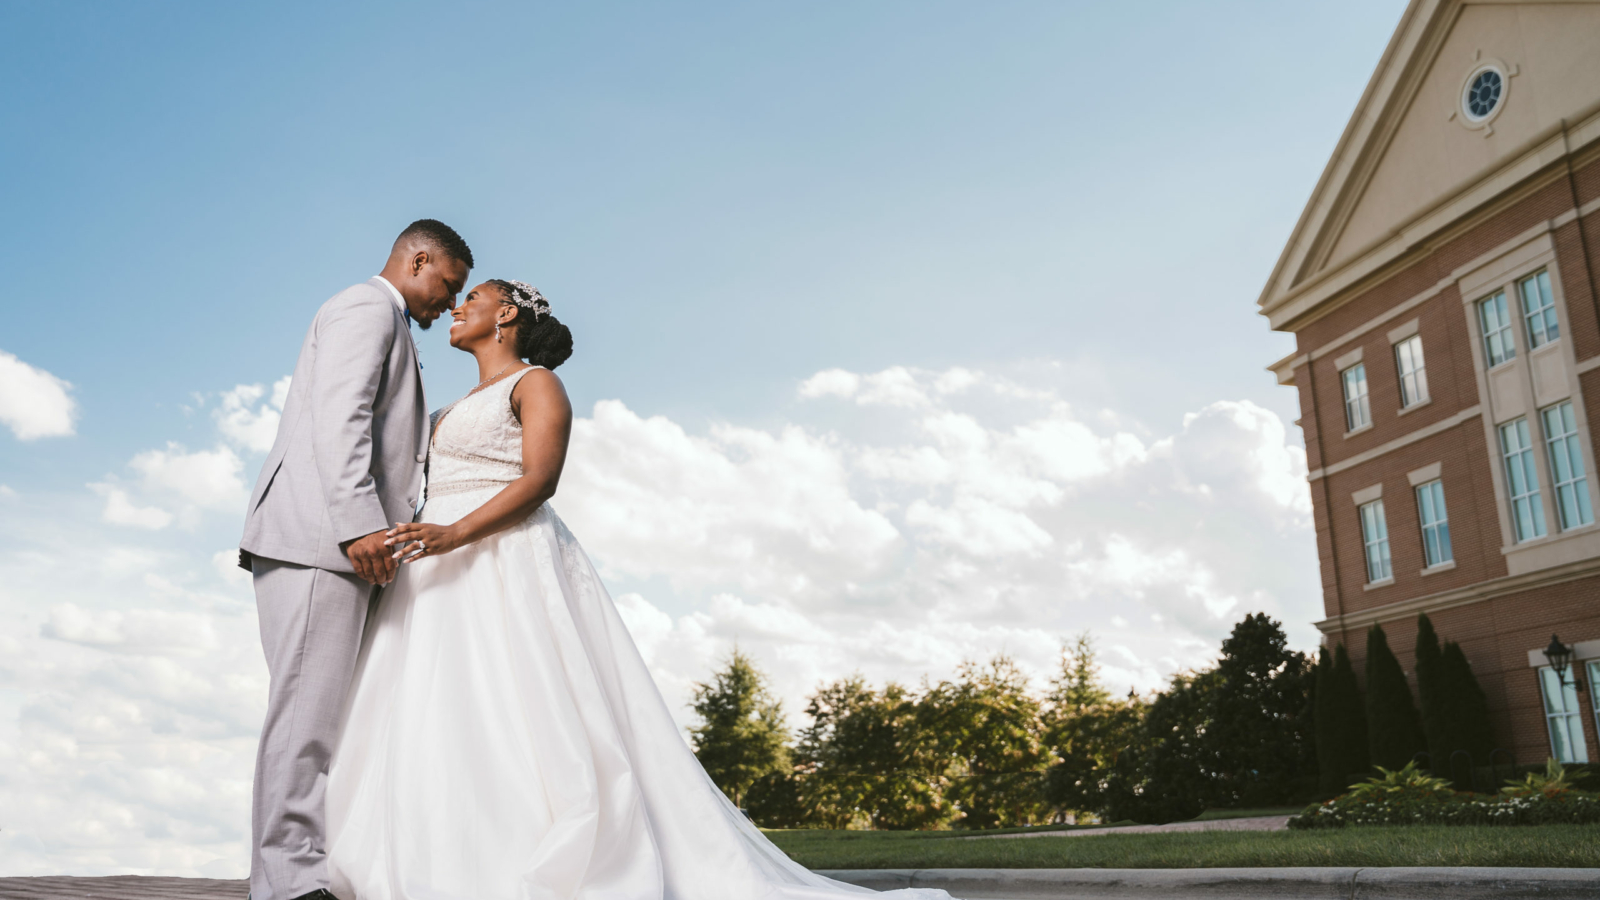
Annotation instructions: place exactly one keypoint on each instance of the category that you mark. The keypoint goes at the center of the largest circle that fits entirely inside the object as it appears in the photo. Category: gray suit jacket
(352, 442)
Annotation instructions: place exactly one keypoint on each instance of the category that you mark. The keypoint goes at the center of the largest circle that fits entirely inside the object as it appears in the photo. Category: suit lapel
(403, 323)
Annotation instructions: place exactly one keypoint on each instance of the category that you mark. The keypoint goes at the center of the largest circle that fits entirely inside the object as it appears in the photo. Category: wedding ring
(422, 546)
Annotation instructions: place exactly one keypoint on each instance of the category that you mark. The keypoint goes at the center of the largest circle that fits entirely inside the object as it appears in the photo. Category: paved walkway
(1253, 823)
(122, 887)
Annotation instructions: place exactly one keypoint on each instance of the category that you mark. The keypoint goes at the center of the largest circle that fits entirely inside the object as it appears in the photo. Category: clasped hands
(377, 556)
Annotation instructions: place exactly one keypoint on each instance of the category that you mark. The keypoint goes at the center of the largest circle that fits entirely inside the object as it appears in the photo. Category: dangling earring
(497, 333)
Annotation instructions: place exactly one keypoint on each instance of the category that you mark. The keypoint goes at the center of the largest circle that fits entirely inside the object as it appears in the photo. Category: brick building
(1440, 285)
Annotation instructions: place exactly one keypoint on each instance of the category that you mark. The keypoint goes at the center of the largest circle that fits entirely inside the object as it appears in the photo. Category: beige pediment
(1409, 159)
(1552, 51)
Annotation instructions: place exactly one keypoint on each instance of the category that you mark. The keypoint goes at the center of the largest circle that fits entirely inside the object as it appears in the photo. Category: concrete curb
(1330, 883)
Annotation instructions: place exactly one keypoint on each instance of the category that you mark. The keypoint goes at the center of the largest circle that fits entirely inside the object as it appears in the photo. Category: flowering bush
(1410, 797)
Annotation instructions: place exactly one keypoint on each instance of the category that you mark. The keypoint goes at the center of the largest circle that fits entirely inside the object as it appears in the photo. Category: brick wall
(1495, 634)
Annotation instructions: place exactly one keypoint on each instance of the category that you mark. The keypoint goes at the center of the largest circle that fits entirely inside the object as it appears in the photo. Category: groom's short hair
(440, 237)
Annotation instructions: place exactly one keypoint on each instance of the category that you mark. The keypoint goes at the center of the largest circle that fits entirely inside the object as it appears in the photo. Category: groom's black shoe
(318, 894)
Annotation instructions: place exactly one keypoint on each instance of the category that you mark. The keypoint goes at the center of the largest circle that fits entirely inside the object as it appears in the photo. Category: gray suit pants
(311, 623)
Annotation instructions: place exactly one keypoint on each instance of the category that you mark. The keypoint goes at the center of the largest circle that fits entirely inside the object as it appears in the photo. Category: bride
(503, 738)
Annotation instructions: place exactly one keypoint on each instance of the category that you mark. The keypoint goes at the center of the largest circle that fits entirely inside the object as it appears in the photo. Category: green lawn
(1542, 845)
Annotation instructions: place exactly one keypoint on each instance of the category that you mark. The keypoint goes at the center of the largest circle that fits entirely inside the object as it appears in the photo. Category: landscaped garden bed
(1409, 796)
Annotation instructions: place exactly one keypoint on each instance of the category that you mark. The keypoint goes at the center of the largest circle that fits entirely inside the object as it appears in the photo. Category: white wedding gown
(503, 739)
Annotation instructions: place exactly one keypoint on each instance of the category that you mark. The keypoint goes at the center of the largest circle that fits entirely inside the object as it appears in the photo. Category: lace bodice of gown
(477, 442)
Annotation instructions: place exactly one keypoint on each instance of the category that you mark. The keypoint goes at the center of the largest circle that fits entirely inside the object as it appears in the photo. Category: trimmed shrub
(1394, 732)
(1469, 708)
(1434, 697)
(1341, 723)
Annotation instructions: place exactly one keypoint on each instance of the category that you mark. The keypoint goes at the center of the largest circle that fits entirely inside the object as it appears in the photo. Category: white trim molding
(1582, 650)
(1348, 360)
(1424, 475)
(1465, 596)
(1401, 332)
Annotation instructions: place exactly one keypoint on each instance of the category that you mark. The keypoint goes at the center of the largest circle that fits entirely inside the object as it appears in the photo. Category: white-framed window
(1566, 465)
(1539, 309)
(1375, 539)
(1357, 408)
(1594, 698)
(1413, 376)
(1522, 481)
(1435, 523)
(1495, 321)
(1563, 716)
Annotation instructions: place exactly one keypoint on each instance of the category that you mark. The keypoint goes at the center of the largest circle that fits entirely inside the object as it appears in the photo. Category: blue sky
(719, 199)
(906, 333)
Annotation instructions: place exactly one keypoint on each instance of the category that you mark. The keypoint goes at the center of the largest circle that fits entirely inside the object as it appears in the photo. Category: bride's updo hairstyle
(541, 338)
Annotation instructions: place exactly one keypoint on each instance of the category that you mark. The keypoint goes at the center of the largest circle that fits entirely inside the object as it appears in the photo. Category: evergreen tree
(1078, 685)
(1469, 707)
(742, 734)
(1434, 697)
(1332, 766)
(1085, 731)
(1259, 740)
(1349, 715)
(1394, 731)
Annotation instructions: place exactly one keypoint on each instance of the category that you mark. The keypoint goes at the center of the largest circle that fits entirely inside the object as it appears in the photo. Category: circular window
(1482, 95)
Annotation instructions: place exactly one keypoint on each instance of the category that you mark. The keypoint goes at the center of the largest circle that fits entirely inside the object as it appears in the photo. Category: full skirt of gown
(505, 741)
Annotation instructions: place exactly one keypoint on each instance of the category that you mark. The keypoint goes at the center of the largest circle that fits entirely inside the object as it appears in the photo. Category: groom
(346, 466)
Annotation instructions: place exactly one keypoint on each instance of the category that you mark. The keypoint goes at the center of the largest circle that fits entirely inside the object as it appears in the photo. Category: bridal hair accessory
(528, 297)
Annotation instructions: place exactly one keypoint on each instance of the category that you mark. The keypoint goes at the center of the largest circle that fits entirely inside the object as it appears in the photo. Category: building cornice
(1539, 161)
(1477, 593)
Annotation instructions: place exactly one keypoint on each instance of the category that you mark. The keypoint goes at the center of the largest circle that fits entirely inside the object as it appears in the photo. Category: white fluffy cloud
(204, 479)
(121, 510)
(247, 422)
(133, 689)
(760, 511)
(940, 516)
(175, 484)
(980, 515)
(33, 402)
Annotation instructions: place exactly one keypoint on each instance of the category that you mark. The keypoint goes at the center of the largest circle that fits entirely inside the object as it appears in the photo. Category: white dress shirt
(394, 293)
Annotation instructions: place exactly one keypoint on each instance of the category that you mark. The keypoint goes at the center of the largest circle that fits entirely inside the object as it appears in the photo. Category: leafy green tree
(1167, 776)
(742, 735)
(865, 756)
(1259, 742)
(775, 801)
(986, 726)
(1394, 730)
(1086, 730)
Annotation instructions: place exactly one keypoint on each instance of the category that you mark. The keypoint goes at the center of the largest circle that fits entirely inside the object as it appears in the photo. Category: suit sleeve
(353, 342)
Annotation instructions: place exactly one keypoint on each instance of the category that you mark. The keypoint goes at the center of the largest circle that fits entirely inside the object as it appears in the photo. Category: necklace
(490, 378)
